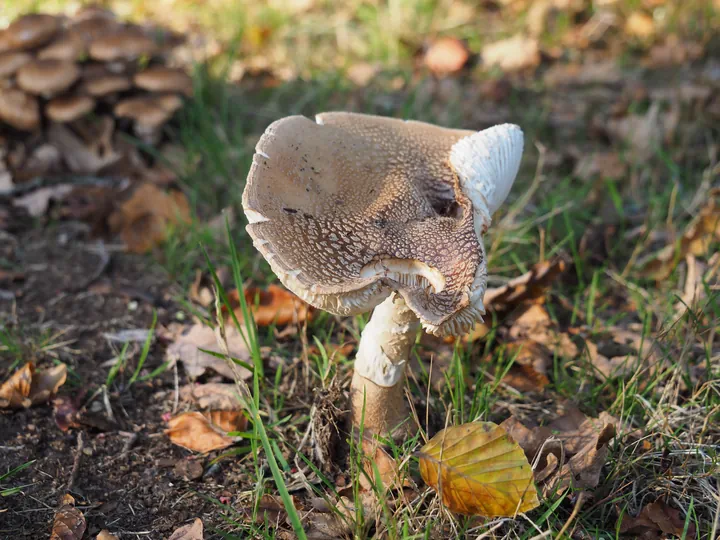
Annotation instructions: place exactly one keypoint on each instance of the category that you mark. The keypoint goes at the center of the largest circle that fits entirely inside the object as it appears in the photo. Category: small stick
(76, 462)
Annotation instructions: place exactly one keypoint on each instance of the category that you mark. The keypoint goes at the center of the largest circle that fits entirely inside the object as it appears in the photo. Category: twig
(76, 462)
(73, 179)
(131, 438)
(573, 515)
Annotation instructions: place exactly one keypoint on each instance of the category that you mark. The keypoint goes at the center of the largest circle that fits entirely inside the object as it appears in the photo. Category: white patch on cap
(487, 163)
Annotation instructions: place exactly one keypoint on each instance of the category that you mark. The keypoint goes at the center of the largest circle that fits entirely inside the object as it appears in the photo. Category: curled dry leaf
(26, 387)
(214, 396)
(186, 349)
(106, 535)
(657, 517)
(69, 522)
(388, 472)
(531, 285)
(696, 240)
(529, 370)
(479, 470)
(192, 531)
(274, 305)
(205, 432)
(143, 220)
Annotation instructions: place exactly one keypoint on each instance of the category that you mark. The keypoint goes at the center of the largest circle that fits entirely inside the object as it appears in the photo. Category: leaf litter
(28, 387)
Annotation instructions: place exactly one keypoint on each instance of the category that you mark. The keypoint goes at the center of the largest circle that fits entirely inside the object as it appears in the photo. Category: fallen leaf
(530, 286)
(528, 372)
(106, 535)
(274, 305)
(644, 133)
(640, 25)
(85, 157)
(478, 470)
(68, 414)
(374, 456)
(204, 433)
(655, 518)
(600, 164)
(143, 220)
(699, 235)
(187, 347)
(446, 55)
(192, 531)
(217, 396)
(36, 203)
(512, 54)
(26, 387)
(69, 522)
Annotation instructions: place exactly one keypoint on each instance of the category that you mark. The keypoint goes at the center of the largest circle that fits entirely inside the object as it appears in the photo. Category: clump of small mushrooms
(62, 77)
(355, 212)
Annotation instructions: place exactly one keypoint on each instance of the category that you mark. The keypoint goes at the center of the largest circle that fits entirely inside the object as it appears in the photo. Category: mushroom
(69, 108)
(149, 113)
(11, 61)
(355, 212)
(107, 83)
(69, 46)
(47, 77)
(19, 109)
(122, 45)
(31, 31)
(164, 79)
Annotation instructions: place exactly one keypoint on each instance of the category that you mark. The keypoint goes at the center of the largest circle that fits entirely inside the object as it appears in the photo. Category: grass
(551, 210)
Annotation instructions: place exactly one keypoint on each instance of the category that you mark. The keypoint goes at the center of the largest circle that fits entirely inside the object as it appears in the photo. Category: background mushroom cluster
(69, 86)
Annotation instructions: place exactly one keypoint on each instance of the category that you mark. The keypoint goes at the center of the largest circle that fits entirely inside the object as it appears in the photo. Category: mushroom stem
(376, 391)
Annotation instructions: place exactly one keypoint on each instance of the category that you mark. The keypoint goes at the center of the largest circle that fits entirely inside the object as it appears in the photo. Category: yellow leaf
(479, 470)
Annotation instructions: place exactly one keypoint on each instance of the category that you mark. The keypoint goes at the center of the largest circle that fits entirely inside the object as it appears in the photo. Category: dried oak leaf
(191, 531)
(657, 517)
(144, 219)
(69, 522)
(186, 349)
(477, 469)
(26, 387)
(274, 305)
(205, 432)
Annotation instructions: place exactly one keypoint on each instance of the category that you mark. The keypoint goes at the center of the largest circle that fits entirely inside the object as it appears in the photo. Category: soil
(129, 479)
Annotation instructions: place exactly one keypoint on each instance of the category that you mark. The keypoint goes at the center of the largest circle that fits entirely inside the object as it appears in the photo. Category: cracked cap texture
(353, 207)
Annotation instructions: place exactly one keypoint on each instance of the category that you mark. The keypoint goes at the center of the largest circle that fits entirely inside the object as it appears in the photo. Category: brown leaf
(186, 348)
(106, 535)
(143, 220)
(446, 55)
(205, 432)
(600, 164)
(699, 235)
(69, 523)
(512, 54)
(85, 156)
(192, 531)
(656, 517)
(639, 25)
(643, 133)
(375, 456)
(530, 286)
(274, 305)
(26, 387)
(36, 203)
(529, 370)
(217, 396)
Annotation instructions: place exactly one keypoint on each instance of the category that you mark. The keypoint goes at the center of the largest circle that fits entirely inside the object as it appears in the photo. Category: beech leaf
(477, 469)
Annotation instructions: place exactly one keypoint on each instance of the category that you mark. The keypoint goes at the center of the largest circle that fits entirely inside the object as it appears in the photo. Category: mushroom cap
(107, 83)
(69, 108)
(11, 61)
(149, 111)
(122, 45)
(32, 30)
(353, 207)
(69, 46)
(47, 77)
(19, 109)
(164, 79)
(93, 27)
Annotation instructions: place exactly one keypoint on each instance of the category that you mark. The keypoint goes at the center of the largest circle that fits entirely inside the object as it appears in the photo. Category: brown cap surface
(164, 79)
(149, 111)
(122, 45)
(353, 207)
(47, 77)
(19, 109)
(91, 28)
(32, 30)
(68, 46)
(105, 84)
(11, 61)
(69, 108)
